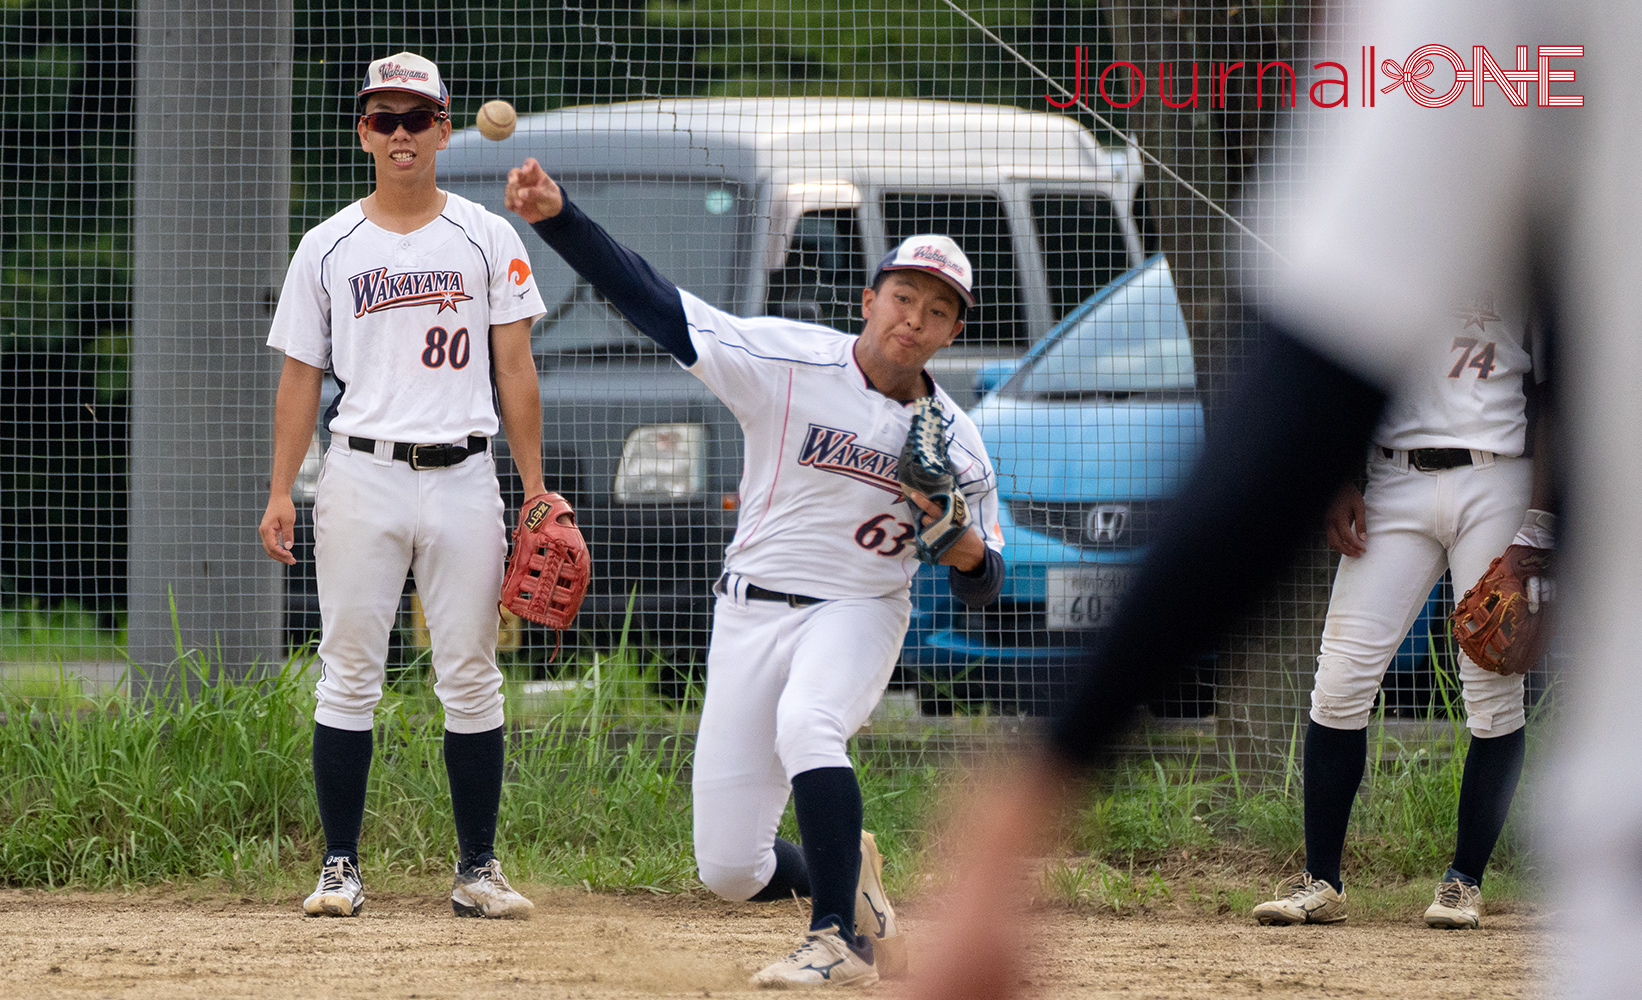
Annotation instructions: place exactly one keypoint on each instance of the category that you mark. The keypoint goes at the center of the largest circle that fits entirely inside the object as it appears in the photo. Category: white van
(775, 205)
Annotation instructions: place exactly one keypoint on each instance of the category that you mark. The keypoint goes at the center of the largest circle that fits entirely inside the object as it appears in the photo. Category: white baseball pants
(374, 519)
(786, 689)
(1419, 523)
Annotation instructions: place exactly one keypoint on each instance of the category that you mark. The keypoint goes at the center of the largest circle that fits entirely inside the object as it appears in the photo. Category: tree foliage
(67, 76)
(65, 111)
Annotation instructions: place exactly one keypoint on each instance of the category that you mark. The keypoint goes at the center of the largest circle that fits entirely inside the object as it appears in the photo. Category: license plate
(1085, 597)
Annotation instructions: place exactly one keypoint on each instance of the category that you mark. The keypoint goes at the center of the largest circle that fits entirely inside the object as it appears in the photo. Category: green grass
(215, 785)
(33, 634)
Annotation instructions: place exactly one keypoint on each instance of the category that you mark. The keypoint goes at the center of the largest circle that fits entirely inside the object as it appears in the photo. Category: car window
(1082, 243)
(978, 224)
(1128, 338)
(690, 229)
(825, 270)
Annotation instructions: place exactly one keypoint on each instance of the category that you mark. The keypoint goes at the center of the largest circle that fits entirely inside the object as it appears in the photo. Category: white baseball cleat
(483, 891)
(1302, 899)
(340, 892)
(874, 917)
(1458, 906)
(824, 959)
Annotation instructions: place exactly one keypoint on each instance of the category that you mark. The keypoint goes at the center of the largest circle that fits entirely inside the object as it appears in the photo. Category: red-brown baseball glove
(1502, 623)
(548, 573)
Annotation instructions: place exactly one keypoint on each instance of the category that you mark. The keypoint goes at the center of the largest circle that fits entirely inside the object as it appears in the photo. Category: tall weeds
(213, 782)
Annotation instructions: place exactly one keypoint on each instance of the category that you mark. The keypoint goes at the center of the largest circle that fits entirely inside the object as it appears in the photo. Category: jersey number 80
(435, 353)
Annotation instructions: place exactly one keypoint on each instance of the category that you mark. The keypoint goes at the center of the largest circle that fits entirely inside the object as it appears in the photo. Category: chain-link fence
(161, 163)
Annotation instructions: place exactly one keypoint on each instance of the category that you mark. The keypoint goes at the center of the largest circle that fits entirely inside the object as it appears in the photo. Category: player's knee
(737, 882)
(345, 702)
(1341, 712)
(807, 737)
(1495, 712)
(472, 698)
(1342, 697)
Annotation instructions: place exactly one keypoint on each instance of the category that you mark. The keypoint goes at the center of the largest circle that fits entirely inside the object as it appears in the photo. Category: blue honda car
(1092, 431)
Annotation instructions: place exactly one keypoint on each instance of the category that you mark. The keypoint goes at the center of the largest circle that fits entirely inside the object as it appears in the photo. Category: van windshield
(690, 229)
(1129, 338)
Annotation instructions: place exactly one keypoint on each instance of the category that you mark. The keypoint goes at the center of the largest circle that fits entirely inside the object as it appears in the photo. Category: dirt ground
(173, 945)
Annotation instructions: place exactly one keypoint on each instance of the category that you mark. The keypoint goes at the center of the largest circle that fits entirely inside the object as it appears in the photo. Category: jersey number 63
(874, 534)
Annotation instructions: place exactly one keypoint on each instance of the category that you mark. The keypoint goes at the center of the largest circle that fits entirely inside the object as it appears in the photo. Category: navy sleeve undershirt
(649, 301)
(981, 586)
(1295, 430)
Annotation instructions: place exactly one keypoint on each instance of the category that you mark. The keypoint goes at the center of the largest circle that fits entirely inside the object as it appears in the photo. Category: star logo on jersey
(832, 450)
(1479, 314)
(376, 290)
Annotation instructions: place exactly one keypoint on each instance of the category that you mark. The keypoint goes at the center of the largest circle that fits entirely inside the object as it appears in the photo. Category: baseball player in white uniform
(420, 302)
(1450, 484)
(814, 600)
(1389, 226)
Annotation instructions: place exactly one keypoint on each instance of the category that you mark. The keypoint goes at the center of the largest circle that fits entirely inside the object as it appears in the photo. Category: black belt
(1434, 459)
(757, 593)
(426, 456)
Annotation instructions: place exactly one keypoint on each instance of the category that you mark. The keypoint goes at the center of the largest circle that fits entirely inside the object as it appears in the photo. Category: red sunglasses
(387, 122)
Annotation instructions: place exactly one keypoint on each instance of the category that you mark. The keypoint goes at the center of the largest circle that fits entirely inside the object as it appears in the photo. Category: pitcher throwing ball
(814, 600)
(421, 302)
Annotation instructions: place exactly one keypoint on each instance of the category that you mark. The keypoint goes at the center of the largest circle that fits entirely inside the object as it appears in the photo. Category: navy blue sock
(828, 803)
(1492, 768)
(473, 762)
(791, 878)
(1333, 764)
(342, 766)
(1455, 875)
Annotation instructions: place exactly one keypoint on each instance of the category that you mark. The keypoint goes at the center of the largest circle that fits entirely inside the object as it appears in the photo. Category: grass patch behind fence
(216, 785)
(31, 633)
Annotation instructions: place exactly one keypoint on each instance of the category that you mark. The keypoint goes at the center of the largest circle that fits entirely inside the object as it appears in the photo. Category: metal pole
(212, 185)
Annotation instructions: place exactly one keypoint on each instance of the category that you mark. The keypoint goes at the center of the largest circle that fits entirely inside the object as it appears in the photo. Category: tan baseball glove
(550, 568)
(1503, 623)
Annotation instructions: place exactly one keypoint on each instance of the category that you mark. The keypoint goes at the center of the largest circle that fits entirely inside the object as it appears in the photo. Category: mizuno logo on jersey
(833, 450)
(374, 291)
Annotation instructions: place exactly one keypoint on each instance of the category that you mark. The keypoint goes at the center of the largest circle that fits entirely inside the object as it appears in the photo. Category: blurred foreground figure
(1406, 208)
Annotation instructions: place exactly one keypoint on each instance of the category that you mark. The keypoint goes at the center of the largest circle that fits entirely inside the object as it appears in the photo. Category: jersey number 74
(1480, 358)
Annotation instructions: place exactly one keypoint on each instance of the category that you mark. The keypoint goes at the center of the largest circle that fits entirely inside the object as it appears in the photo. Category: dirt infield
(154, 944)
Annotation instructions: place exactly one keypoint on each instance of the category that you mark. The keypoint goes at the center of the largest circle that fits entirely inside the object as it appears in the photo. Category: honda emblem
(1107, 523)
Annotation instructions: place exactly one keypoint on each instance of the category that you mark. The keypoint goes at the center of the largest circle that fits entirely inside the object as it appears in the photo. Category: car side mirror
(993, 374)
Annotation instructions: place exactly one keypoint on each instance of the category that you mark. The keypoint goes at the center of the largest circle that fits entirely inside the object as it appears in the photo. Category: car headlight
(307, 478)
(662, 462)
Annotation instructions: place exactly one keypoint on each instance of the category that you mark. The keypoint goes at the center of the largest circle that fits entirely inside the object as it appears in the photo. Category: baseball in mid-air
(496, 120)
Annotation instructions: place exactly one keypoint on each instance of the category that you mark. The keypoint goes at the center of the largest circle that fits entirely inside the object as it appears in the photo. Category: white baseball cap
(408, 72)
(939, 256)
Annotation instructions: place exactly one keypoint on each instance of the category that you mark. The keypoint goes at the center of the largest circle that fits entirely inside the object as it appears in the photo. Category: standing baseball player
(420, 302)
(814, 600)
(1451, 483)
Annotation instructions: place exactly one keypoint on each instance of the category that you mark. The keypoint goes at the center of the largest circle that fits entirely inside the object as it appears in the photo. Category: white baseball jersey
(822, 513)
(1469, 390)
(404, 319)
